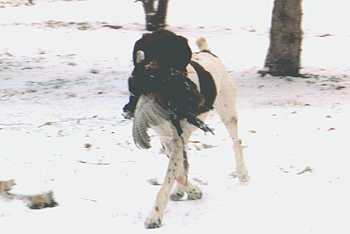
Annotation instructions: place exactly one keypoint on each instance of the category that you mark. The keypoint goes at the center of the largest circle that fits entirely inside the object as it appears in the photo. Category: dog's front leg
(175, 149)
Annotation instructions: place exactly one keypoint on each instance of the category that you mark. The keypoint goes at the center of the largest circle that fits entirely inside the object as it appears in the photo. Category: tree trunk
(162, 13)
(148, 7)
(283, 58)
(155, 19)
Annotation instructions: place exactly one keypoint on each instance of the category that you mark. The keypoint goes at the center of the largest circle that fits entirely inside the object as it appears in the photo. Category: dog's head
(161, 51)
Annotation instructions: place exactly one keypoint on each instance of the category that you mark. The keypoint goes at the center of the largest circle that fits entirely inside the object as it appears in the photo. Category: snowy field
(63, 74)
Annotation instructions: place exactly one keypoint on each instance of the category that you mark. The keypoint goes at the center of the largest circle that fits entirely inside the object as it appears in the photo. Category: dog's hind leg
(226, 108)
(174, 149)
(183, 185)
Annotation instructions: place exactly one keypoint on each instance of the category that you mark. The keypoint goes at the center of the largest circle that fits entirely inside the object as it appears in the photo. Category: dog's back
(224, 83)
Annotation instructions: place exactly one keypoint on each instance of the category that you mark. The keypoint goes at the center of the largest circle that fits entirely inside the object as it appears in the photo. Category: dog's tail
(202, 44)
(148, 113)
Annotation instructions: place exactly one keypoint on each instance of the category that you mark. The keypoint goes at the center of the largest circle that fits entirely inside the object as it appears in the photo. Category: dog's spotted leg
(182, 180)
(175, 149)
(183, 185)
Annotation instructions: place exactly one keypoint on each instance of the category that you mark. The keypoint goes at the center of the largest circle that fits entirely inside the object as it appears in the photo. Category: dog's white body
(174, 145)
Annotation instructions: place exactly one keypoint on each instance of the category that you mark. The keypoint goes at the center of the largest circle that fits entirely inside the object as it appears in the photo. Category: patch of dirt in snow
(18, 3)
(56, 24)
(14, 3)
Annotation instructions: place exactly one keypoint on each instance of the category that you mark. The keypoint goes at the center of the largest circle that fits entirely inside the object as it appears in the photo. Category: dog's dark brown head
(163, 50)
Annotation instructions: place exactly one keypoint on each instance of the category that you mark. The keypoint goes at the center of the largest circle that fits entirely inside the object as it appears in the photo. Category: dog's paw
(177, 195)
(242, 177)
(154, 221)
(194, 193)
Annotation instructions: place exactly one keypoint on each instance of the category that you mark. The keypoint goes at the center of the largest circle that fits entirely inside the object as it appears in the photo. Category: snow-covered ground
(62, 86)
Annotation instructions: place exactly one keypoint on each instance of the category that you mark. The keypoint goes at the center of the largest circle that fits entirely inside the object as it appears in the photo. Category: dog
(162, 54)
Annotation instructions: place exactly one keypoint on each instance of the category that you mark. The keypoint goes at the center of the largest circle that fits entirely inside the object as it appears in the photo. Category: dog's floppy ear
(181, 52)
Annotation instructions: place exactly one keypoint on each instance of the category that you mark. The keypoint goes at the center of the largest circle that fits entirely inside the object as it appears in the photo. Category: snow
(63, 86)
